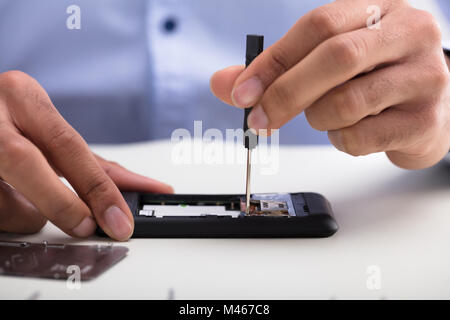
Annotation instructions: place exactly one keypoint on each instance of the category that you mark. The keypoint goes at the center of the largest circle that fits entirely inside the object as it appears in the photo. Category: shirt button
(170, 25)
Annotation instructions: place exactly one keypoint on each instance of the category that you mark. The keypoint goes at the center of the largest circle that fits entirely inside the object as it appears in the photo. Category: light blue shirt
(137, 69)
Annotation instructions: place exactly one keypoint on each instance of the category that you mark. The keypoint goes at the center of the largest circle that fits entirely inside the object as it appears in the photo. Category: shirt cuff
(447, 52)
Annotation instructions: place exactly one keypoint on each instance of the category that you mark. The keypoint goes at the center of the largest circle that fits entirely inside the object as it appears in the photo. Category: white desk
(391, 218)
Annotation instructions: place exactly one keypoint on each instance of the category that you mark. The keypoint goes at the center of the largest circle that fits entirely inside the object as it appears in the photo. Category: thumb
(222, 83)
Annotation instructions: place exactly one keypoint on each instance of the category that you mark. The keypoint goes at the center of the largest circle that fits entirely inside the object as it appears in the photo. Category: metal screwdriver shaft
(247, 187)
(255, 45)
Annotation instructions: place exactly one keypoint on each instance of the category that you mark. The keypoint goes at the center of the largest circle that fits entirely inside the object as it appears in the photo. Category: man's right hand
(36, 147)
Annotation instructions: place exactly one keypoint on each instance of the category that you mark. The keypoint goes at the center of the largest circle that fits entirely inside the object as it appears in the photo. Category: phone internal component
(183, 210)
(265, 208)
(275, 205)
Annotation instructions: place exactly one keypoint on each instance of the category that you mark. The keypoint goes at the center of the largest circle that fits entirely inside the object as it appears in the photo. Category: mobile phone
(272, 215)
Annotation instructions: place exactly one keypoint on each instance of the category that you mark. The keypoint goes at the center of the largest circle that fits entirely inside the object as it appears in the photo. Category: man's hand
(36, 146)
(373, 89)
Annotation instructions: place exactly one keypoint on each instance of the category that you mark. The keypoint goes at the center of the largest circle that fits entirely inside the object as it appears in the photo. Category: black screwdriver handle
(255, 45)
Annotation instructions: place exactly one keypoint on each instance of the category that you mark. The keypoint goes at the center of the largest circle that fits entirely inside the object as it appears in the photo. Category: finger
(17, 214)
(331, 64)
(126, 180)
(23, 166)
(39, 121)
(367, 95)
(222, 82)
(310, 31)
(71, 155)
(395, 131)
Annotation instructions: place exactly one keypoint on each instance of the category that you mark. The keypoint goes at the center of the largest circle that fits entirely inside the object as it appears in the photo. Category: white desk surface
(388, 217)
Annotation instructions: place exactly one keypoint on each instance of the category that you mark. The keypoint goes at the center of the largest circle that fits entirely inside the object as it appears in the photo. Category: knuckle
(440, 79)
(392, 4)
(61, 136)
(431, 116)
(326, 22)
(22, 90)
(12, 151)
(99, 184)
(435, 77)
(428, 25)
(347, 51)
(347, 104)
(404, 3)
(14, 80)
(113, 163)
(107, 167)
(280, 95)
(110, 167)
(279, 60)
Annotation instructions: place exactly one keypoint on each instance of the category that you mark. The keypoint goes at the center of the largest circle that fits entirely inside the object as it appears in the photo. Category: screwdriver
(255, 45)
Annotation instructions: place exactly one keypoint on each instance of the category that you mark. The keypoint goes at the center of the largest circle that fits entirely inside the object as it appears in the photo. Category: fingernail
(85, 228)
(247, 93)
(118, 222)
(257, 119)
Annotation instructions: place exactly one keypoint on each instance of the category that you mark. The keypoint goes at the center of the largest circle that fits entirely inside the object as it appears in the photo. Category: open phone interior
(224, 216)
(266, 205)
